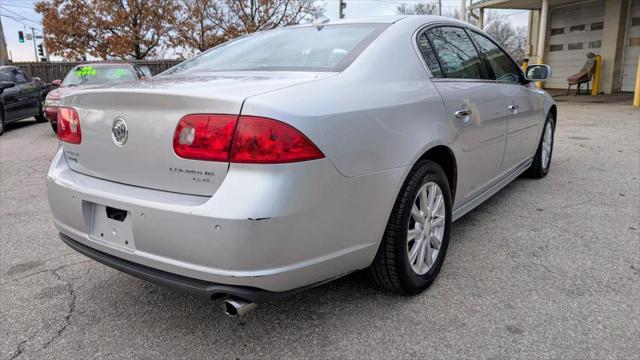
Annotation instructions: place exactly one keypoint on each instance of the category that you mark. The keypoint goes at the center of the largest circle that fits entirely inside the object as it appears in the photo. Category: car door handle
(462, 114)
(513, 107)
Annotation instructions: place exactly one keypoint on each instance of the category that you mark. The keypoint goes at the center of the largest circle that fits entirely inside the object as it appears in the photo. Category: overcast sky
(19, 15)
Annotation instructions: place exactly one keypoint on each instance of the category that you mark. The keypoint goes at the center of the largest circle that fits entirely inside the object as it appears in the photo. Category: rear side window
(309, 48)
(456, 52)
(429, 56)
(504, 69)
(5, 75)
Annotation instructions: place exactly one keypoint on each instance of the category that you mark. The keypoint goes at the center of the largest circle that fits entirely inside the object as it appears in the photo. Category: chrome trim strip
(492, 190)
(522, 129)
(483, 142)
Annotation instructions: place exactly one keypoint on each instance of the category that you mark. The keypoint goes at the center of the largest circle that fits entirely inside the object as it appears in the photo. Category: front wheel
(417, 234)
(542, 159)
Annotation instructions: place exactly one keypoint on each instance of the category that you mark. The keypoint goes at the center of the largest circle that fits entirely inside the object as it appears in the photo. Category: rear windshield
(93, 75)
(323, 48)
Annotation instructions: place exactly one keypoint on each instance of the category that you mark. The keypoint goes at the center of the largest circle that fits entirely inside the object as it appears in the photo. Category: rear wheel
(542, 159)
(417, 234)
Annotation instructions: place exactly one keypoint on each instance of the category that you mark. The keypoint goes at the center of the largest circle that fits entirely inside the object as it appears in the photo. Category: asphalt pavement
(545, 269)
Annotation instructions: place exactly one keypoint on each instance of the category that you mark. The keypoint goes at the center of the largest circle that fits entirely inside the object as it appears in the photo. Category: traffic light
(40, 50)
(20, 37)
(341, 6)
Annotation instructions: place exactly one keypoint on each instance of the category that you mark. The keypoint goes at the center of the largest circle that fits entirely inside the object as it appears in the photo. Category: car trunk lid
(151, 110)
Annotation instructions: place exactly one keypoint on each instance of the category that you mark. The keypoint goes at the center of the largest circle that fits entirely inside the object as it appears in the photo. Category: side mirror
(6, 85)
(537, 72)
(56, 82)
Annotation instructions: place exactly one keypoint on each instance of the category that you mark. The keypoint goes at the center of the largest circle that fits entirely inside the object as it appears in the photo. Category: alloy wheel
(547, 143)
(426, 228)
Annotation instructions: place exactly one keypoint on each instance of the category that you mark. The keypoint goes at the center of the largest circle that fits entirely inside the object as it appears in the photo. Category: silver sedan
(286, 158)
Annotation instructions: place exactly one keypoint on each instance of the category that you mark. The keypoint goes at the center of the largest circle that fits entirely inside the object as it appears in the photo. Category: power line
(18, 15)
(18, 6)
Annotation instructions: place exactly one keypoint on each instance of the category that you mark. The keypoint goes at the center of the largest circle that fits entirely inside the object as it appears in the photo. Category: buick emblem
(119, 132)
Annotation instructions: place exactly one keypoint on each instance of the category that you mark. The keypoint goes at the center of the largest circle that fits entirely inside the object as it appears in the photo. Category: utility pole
(3, 46)
(33, 37)
(463, 9)
(439, 7)
(341, 6)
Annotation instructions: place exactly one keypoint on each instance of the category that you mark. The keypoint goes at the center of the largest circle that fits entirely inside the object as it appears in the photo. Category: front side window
(309, 48)
(504, 69)
(19, 76)
(458, 56)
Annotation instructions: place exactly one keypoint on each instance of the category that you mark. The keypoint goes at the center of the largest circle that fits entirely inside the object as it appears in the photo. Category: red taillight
(204, 137)
(69, 125)
(255, 140)
(267, 141)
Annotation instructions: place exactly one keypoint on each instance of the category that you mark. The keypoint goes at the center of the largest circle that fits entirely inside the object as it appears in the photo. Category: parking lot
(546, 268)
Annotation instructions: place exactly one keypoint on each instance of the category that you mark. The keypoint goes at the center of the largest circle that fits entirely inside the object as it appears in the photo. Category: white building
(562, 32)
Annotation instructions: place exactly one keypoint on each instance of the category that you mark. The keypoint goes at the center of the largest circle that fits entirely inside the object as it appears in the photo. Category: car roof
(111, 63)
(390, 19)
(418, 20)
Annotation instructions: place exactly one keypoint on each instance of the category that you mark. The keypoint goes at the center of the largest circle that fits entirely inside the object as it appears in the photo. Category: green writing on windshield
(117, 73)
(85, 71)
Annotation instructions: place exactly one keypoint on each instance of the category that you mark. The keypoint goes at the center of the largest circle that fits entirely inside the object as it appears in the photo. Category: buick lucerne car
(287, 158)
(88, 76)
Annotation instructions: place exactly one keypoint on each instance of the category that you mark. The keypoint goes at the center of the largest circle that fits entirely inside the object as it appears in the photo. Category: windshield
(323, 48)
(93, 75)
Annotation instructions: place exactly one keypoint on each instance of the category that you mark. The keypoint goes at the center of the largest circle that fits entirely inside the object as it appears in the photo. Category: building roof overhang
(518, 4)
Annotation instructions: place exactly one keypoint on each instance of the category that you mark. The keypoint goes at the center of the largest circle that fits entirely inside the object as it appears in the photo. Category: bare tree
(425, 8)
(202, 24)
(418, 9)
(196, 26)
(513, 39)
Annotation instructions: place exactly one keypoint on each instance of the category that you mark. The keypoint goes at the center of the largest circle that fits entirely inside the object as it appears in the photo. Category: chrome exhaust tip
(236, 307)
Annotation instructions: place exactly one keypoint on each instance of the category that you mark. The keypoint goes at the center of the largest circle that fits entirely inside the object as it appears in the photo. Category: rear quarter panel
(382, 112)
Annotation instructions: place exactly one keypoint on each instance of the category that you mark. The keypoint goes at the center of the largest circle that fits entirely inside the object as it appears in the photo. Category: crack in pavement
(70, 310)
(67, 318)
(45, 271)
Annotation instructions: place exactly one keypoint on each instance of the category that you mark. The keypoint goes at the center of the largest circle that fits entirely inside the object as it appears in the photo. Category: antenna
(321, 20)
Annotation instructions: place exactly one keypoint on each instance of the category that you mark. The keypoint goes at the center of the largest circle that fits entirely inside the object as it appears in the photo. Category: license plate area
(111, 225)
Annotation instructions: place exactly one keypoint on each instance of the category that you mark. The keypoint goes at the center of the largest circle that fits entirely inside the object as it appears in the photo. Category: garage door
(574, 31)
(632, 52)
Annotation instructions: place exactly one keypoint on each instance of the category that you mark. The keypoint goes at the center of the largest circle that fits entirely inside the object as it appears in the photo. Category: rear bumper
(182, 283)
(274, 228)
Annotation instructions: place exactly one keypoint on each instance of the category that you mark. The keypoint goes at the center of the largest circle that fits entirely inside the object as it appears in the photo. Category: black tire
(54, 128)
(391, 269)
(40, 118)
(1, 121)
(537, 170)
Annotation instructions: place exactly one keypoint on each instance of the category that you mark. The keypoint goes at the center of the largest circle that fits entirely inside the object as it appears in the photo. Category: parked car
(20, 96)
(88, 76)
(290, 157)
